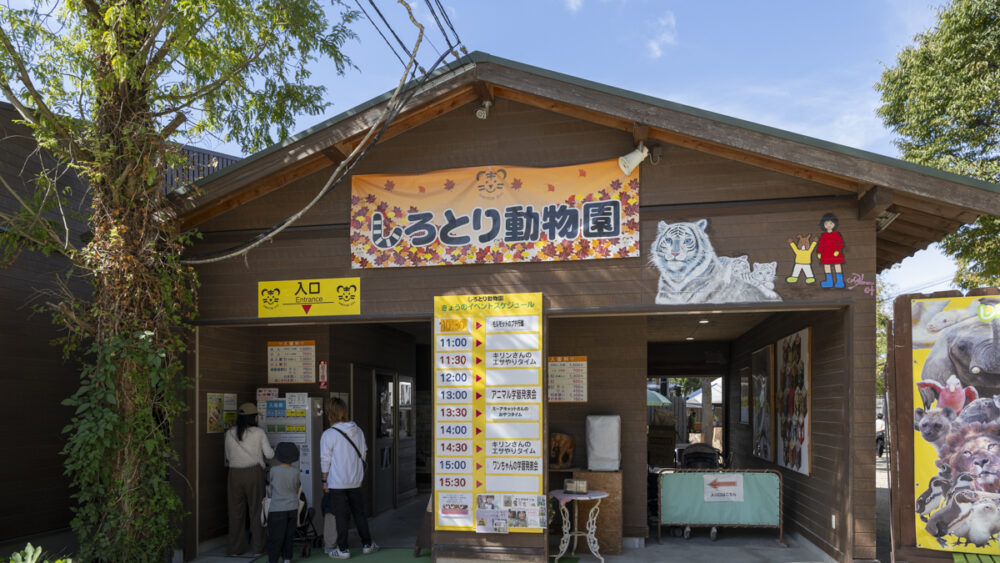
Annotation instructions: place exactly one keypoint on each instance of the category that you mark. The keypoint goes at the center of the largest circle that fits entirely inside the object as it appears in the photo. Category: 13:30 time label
(454, 412)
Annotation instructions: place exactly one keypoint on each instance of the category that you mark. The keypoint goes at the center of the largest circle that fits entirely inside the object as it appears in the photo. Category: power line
(379, 30)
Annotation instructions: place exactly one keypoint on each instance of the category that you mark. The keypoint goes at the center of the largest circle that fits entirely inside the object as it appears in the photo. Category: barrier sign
(489, 460)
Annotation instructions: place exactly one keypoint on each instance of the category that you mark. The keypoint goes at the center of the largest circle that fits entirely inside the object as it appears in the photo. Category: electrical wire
(441, 27)
(393, 107)
(386, 22)
(447, 20)
(379, 30)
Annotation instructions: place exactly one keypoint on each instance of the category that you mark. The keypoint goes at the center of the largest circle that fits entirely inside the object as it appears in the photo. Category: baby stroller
(305, 528)
(700, 456)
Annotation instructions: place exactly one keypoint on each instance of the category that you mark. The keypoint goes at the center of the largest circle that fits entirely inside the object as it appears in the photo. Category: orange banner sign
(495, 214)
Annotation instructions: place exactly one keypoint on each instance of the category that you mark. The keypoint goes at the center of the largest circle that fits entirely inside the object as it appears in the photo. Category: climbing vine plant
(108, 89)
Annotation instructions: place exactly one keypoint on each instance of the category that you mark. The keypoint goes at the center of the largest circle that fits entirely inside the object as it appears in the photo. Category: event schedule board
(488, 450)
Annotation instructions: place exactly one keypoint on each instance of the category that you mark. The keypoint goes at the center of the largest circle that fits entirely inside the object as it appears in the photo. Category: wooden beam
(484, 91)
(640, 133)
(937, 208)
(915, 230)
(873, 202)
(334, 154)
(896, 248)
(564, 109)
(410, 119)
(679, 139)
(766, 145)
(911, 218)
(252, 191)
(760, 161)
(896, 237)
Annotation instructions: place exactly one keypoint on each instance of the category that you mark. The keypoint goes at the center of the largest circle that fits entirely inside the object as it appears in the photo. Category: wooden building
(746, 192)
(35, 377)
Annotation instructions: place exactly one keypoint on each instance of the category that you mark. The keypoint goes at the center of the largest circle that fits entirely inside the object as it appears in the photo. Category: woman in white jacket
(342, 450)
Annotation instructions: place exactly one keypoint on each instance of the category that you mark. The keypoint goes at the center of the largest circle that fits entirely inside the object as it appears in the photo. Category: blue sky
(806, 67)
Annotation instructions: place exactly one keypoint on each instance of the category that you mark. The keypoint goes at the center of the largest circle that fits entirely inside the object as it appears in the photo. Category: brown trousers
(246, 491)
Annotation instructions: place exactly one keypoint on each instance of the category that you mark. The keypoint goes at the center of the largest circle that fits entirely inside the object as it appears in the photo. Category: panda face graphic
(347, 294)
(270, 297)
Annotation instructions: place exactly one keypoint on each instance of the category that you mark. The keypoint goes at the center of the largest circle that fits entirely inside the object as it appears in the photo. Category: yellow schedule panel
(309, 298)
(488, 413)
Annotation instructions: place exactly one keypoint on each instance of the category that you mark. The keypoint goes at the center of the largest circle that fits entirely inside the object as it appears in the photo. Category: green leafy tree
(943, 100)
(883, 314)
(107, 87)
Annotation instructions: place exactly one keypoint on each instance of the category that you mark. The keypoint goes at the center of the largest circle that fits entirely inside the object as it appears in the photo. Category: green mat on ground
(384, 555)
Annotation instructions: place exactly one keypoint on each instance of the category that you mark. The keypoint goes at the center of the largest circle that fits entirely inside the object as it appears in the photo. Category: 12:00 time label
(454, 378)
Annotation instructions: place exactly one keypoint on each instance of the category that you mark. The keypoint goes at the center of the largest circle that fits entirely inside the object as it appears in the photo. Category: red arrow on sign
(306, 308)
(479, 449)
(478, 394)
(478, 484)
(479, 466)
(478, 325)
(479, 343)
(479, 360)
(480, 431)
(715, 484)
(479, 377)
(479, 413)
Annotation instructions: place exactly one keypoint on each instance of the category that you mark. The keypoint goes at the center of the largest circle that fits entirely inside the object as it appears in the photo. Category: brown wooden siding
(616, 385)
(809, 501)
(751, 212)
(34, 376)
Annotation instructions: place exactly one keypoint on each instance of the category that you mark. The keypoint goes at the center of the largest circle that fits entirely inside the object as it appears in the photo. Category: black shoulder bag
(351, 442)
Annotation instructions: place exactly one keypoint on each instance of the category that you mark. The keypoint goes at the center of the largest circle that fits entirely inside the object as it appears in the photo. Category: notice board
(291, 361)
(488, 413)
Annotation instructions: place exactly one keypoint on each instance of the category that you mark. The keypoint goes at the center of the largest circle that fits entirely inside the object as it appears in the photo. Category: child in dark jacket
(282, 516)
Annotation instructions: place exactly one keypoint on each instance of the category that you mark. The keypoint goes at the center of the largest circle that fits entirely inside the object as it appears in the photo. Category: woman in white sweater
(246, 448)
(342, 451)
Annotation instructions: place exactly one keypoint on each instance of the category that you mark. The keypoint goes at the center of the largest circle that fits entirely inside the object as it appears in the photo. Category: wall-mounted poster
(291, 361)
(760, 374)
(745, 396)
(793, 402)
(956, 436)
(567, 379)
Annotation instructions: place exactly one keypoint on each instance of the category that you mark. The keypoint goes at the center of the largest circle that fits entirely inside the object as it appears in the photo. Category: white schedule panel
(488, 413)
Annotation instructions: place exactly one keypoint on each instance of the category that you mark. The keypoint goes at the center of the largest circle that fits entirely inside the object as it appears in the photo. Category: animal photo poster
(956, 423)
(761, 366)
(792, 402)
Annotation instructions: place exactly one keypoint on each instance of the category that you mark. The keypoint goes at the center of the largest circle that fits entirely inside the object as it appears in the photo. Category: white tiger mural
(690, 271)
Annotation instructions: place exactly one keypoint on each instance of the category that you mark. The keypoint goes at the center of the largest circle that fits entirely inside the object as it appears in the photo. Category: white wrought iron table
(565, 498)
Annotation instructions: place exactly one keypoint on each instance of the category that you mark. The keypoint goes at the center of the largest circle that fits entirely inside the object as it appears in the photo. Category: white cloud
(664, 34)
(821, 106)
(574, 5)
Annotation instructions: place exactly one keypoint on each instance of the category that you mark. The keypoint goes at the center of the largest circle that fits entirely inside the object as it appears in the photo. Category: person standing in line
(342, 451)
(246, 448)
(283, 513)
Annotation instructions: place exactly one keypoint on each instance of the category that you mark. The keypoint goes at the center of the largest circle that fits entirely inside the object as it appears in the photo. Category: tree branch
(39, 102)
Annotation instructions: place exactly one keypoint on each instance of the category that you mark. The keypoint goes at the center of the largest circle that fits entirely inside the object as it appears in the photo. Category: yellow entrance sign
(309, 298)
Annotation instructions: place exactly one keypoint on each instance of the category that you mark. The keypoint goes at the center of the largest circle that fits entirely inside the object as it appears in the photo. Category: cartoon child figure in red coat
(830, 250)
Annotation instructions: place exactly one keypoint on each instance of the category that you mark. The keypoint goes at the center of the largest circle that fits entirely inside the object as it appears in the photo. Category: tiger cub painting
(691, 272)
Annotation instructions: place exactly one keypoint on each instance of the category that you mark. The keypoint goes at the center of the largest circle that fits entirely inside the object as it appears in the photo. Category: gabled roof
(913, 205)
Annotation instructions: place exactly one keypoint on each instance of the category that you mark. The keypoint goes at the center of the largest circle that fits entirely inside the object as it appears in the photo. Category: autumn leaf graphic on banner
(579, 212)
